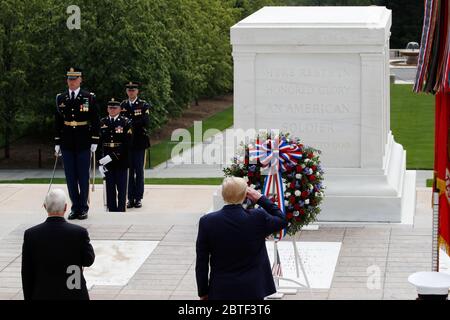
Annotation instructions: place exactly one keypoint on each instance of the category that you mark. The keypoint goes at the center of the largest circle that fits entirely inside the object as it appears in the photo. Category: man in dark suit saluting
(232, 242)
(54, 254)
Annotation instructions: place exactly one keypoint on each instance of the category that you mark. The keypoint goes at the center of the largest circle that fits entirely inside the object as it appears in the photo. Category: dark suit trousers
(116, 189)
(76, 168)
(136, 175)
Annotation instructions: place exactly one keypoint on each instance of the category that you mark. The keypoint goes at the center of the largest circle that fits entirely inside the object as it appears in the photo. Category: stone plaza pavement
(170, 215)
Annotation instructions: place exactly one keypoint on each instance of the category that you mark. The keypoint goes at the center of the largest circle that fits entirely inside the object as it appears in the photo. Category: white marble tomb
(322, 74)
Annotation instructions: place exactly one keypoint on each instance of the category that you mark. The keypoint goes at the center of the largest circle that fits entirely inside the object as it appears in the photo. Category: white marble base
(378, 195)
(319, 260)
(116, 261)
(444, 262)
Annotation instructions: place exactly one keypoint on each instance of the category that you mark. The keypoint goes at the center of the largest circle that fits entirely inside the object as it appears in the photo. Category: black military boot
(83, 215)
(130, 204)
(72, 215)
(138, 204)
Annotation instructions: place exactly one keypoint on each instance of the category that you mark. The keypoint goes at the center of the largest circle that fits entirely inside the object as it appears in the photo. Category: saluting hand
(253, 195)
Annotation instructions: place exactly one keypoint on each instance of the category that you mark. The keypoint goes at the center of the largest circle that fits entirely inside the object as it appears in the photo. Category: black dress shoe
(72, 215)
(138, 204)
(130, 204)
(83, 215)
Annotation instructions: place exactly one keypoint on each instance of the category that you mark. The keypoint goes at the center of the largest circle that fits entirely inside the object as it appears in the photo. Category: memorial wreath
(287, 172)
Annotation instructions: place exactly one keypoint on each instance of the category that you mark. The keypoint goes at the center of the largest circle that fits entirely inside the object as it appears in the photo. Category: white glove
(102, 170)
(105, 160)
(93, 147)
(58, 150)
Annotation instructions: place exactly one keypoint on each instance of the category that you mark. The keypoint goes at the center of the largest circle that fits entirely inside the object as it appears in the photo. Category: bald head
(56, 202)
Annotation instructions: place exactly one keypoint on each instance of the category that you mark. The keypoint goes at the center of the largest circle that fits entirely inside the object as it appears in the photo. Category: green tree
(14, 54)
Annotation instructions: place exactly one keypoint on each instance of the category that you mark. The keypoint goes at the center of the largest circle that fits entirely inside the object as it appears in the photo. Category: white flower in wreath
(256, 206)
(286, 203)
(297, 193)
(288, 194)
(318, 174)
(296, 213)
(318, 194)
(298, 176)
(307, 201)
(307, 160)
(310, 186)
(302, 166)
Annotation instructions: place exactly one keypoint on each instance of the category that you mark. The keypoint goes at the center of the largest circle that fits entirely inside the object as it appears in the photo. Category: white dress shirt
(77, 91)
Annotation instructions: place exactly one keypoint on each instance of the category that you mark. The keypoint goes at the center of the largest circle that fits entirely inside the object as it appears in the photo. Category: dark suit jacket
(232, 242)
(48, 250)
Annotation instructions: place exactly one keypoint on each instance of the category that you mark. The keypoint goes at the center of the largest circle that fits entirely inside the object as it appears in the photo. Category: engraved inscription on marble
(315, 97)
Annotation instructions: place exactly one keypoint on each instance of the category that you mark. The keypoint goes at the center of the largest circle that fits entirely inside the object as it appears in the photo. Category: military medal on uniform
(85, 106)
(119, 129)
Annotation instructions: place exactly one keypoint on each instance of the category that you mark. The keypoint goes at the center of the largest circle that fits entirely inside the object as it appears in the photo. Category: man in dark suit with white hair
(54, 254)
(231, 242)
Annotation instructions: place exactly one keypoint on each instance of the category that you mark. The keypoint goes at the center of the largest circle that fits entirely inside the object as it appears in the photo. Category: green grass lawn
(221, 121)
(412, 124)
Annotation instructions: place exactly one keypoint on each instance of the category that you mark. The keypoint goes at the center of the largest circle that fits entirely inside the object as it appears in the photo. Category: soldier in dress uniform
(115, 140)
(77, 135)
(137, 110)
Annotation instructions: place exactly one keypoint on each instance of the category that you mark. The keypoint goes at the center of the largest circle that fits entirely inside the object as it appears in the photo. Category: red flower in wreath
(298, 161)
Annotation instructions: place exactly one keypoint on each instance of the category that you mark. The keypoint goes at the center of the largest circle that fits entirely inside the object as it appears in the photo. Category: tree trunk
(7, 142)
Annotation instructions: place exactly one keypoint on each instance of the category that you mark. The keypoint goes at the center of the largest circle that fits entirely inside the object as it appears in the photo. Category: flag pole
(435, 231)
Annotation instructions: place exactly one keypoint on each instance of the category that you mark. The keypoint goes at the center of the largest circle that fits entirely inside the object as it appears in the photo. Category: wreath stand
(299, 267)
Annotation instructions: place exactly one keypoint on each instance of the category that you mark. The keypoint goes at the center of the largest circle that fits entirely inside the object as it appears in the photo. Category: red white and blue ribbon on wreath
(275, 155)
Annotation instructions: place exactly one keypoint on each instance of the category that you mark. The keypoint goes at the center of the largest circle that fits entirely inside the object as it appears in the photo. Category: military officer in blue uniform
(116, 136)
(77, 136)
(137, 110)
